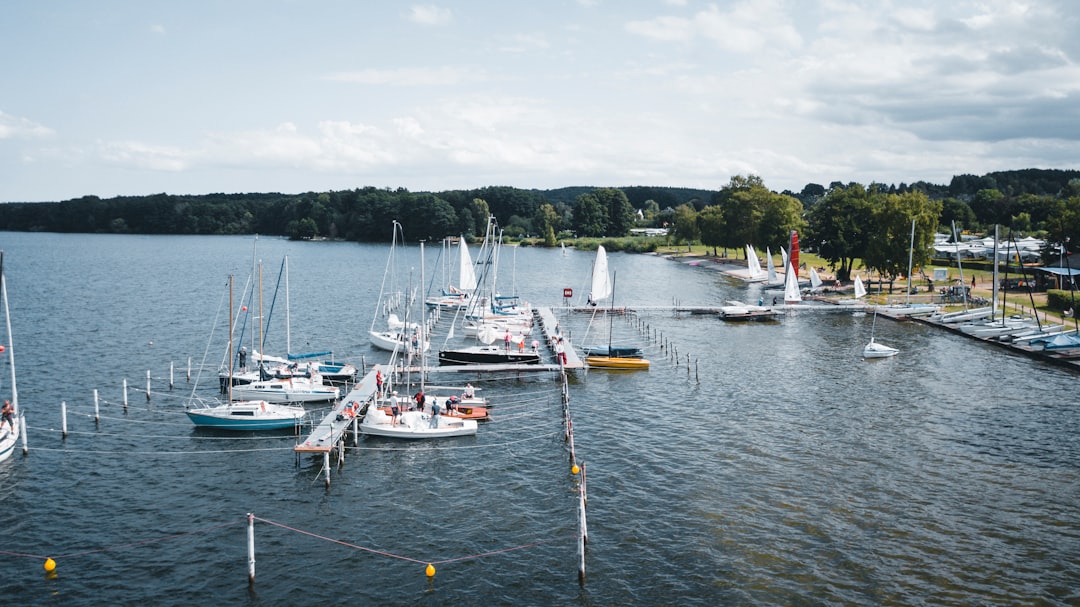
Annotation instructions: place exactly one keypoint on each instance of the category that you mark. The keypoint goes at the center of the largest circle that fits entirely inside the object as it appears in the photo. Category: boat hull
(8, 438)
(414, 425)
(615, 362)
(284, 392)
(487, 355)
(247, 416)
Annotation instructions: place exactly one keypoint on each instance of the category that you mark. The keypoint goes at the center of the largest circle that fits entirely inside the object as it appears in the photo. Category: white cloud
(429, 14)
(137, 155)
(747, 27)
(158, 29)
(417, 76)
(15, 127)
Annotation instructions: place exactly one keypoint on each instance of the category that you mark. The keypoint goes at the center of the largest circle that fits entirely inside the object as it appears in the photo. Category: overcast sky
(192, 97)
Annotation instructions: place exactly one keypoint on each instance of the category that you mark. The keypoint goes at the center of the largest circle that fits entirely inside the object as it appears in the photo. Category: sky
(138, 97)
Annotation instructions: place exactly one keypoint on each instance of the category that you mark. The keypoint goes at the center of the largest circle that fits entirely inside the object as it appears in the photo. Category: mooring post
(171, 378)
(341, 452)
(97, 414)
(22, 429)
(148, 385)
(189, 369)
(251, 548)
(125, 394)
(63, 419)
(326, 466)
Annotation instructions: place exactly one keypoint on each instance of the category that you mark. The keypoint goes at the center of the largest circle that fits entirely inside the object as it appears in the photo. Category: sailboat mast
(910, 259)
(231, 357)
(288, 320)
(10, 346)
(611, 312)
(423, 324)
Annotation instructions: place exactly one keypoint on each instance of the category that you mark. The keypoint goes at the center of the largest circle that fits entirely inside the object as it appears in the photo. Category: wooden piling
(251, 548)
(63, 419)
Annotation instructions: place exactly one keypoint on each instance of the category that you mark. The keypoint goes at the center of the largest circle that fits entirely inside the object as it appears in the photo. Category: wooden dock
(329, 432)
(550, 329)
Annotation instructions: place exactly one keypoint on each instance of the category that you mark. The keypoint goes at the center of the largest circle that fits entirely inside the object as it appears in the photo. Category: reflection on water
(775, 467)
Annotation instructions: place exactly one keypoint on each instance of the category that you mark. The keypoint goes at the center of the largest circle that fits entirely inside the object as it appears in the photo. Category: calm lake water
(778, 469)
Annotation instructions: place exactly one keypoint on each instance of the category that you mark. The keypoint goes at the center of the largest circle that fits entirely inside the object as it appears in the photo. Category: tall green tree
(685, 227)
(590, 217)
(839, 226)
(889, 245)
(710, 221)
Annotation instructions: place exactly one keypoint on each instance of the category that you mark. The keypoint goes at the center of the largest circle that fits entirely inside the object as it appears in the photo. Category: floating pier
(325, 436)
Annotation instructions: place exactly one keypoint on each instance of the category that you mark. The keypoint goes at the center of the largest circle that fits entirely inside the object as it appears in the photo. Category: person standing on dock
(506, 340)
(378, 383)
(560, 351)
(394, 405)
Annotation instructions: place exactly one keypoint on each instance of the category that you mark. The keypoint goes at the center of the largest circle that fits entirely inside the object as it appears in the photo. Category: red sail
(794, 251)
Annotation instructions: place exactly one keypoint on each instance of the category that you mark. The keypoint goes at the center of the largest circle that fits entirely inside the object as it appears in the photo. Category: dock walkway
(549, 328)
(326, 435)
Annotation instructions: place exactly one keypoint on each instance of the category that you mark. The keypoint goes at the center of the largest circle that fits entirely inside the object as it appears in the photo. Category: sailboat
(456, 296)
(875, 349)
(791, 285)
(753, 266)
(600, 288)
(9, 428)
(242, 414)
(613, 358)
(399, 334)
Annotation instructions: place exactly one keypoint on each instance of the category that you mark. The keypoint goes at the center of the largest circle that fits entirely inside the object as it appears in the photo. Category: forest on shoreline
(842, 221)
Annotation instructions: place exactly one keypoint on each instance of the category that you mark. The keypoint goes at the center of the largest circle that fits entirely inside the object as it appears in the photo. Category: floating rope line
(165, 436)
(467, 447)
(399, 556)
(130, 452)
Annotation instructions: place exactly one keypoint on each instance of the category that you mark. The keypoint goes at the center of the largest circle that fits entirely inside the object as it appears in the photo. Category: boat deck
(326, 435)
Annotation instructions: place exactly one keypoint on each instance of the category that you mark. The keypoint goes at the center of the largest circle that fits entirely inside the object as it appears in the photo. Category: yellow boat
(616, 362)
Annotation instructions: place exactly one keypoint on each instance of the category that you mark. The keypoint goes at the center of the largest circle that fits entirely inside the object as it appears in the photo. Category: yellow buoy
(50, 565)
(430, 570)
(574, 469)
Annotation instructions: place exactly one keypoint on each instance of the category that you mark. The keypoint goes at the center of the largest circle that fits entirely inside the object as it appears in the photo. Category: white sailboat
(11, 426)
(791, 286)
(815, 281)
(457, 295)
(243, 414)
(875, 349)
(399, 334)
(754, 271)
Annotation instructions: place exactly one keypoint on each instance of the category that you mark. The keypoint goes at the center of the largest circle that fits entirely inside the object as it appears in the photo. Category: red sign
(568, 293)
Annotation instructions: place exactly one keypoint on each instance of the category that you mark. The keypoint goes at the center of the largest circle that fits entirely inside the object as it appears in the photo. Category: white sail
(783, 255)
(815, 280)
(771, 267)
(752, 263)
(860, 290)
(791, 286)
(466, 270)
(601, 281)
